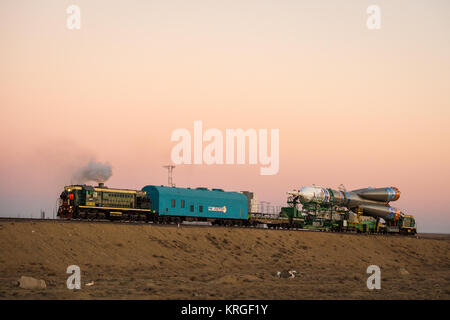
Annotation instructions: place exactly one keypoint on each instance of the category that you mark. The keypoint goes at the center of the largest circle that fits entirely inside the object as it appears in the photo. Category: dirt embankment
(166, 262)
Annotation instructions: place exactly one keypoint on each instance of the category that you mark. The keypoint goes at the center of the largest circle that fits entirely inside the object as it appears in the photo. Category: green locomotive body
(82, 201)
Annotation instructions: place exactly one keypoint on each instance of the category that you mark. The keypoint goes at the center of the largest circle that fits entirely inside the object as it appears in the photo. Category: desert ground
(132, 261)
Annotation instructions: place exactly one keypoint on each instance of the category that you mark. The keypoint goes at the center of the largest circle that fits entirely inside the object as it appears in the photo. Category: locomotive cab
(69, 199)
(407, 224)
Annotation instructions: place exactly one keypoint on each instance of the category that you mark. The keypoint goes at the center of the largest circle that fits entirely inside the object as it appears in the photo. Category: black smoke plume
(93, 171)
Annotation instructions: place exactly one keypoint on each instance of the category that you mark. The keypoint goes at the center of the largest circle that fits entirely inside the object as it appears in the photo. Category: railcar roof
(195, 192)
(104, 189)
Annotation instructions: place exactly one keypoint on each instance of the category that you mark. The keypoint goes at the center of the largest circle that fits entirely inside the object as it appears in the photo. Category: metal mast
(169, 172)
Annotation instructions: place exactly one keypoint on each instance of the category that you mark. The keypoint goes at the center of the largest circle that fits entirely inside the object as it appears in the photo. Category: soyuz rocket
(373, 202)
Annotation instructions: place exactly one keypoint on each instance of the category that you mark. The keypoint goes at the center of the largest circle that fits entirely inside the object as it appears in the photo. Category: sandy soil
(166, 262)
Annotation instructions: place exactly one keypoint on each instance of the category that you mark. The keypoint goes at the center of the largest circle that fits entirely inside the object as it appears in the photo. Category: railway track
(175, 225)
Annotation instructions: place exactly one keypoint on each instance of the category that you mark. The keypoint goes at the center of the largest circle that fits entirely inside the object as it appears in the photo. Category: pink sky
(354, 106)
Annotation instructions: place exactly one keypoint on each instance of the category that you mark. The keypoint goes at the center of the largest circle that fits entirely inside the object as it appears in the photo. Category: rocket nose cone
(306, 194)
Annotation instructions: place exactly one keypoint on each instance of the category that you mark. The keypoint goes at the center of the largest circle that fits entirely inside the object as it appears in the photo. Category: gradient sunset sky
(354, 106)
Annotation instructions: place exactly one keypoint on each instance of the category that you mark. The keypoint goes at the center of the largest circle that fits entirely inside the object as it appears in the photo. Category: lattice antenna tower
(170, 175)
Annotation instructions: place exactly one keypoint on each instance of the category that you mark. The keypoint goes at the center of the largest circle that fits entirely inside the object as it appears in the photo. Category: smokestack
(101, 185)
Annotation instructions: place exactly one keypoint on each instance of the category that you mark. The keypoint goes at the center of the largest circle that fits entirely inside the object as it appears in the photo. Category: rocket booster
(380, 211)
(379, 194)
(373, 201)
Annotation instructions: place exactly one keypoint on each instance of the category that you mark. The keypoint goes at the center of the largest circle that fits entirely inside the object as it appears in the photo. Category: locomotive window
(173, 203)
(182, 203)
(200, 208)
(192, 208)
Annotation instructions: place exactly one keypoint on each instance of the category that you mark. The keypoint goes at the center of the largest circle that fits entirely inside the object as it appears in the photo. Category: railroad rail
(184, 224)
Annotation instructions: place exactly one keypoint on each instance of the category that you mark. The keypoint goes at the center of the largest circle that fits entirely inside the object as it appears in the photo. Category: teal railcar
(200, 203)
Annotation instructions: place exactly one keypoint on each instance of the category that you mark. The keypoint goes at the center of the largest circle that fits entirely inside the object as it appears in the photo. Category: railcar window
(173, 203)
(200, 208)
(182, 203)
(192, 208)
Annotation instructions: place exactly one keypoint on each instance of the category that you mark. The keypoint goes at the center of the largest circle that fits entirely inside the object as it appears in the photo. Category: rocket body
(373, 201)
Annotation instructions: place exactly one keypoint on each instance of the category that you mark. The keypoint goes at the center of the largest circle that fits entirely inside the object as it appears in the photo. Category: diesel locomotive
(88, 202)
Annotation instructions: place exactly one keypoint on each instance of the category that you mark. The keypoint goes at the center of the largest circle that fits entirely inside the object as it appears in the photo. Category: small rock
(150, 286)
(403, 272)
(249, 278)
(286, 274)
(89, 284)
(31, 283)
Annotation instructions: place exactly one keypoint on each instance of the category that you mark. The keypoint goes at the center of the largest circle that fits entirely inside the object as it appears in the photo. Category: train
(163, 204)
(158, 204)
